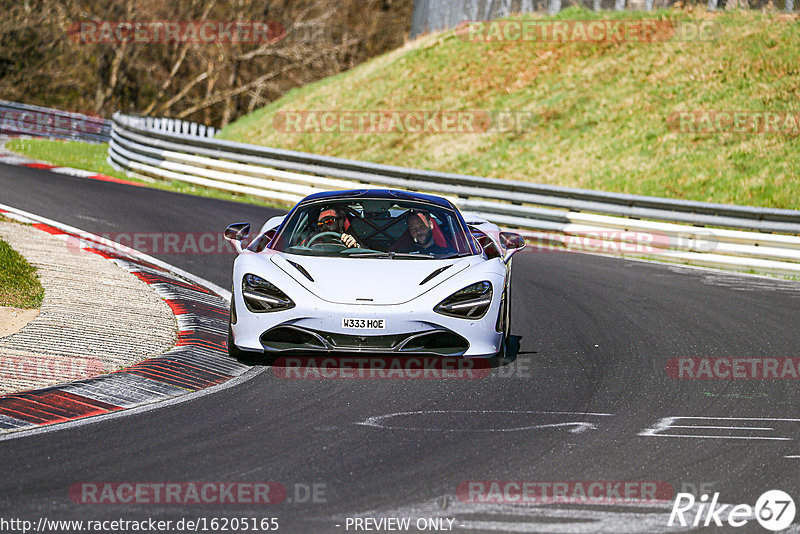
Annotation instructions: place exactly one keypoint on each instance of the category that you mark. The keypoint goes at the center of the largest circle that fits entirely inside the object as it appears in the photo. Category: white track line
(252, 373)
(224, 293)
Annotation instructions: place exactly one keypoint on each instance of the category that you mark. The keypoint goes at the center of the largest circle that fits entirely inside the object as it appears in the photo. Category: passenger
(420, 227)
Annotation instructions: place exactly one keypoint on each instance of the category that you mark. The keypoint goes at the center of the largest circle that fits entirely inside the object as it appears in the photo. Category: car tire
(506, 311)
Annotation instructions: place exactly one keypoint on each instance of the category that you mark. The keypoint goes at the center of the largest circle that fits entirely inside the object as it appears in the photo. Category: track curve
(594, 336)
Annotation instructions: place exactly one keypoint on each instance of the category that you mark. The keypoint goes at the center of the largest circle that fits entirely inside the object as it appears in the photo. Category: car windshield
(373, 228)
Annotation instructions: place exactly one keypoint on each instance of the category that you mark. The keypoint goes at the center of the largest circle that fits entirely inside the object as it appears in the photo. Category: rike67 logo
(774, 510)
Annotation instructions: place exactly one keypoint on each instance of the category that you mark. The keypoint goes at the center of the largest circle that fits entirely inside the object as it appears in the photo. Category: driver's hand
(349, 241)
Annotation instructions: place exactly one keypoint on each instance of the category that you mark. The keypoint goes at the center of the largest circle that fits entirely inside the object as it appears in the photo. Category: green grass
(92, 157)
(19, 284)
(602, 110)
(86, 156)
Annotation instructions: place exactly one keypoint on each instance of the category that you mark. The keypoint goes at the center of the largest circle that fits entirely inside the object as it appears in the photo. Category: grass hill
(602, 115)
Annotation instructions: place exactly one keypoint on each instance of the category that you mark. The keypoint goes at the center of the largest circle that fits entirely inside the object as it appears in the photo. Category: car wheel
(506, 311)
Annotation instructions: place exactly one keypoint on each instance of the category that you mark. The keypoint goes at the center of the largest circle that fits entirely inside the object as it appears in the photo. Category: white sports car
(378, 271)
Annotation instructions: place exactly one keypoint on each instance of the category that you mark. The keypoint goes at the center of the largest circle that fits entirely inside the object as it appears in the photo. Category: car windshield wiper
(412, 255)
(402, 255)
(368, 254)
(456, 255)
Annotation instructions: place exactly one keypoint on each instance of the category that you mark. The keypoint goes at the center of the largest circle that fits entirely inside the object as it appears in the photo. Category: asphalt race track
(594, 336)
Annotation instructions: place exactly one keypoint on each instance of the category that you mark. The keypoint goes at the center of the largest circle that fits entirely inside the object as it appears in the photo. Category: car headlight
(261, 296)
(472, 302)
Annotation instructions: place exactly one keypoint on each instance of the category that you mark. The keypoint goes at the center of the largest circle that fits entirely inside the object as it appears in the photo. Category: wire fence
(436, 15)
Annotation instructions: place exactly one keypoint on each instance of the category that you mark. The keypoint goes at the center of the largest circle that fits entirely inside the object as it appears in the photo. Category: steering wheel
(324, 234)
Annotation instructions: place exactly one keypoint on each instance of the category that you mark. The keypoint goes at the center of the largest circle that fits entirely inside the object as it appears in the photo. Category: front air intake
(290, 338)
(440, 342)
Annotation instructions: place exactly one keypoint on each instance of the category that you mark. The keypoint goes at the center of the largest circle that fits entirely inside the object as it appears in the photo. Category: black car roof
(391, 194)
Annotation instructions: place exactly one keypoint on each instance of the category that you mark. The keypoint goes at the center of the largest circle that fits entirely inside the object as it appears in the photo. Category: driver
(332, 220)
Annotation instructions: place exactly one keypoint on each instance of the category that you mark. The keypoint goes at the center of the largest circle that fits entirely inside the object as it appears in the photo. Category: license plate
(364, 324)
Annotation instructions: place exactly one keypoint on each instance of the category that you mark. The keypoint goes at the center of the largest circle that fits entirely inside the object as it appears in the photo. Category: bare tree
(212, 82)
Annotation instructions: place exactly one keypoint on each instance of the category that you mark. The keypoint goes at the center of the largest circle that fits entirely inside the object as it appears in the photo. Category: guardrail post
(619, 5)
(789, 7)
(554, 7)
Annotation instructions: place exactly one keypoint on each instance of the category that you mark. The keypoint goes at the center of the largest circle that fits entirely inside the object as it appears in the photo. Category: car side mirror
(512, 243)
(511, 240)
(236, 233)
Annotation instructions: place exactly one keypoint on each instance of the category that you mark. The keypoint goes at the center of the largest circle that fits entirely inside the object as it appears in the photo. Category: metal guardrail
(739, 237)
(36, 121)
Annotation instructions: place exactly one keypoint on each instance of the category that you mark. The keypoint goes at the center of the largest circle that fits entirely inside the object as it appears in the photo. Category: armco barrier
(703, 233)
(36, 121)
